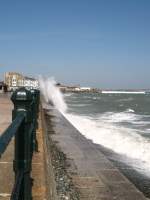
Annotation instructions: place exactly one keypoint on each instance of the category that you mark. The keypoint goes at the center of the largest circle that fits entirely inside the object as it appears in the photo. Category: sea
(118, 123)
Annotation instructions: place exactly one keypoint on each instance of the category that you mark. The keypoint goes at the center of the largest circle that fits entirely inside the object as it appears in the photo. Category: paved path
(94, 177)
(6, 165)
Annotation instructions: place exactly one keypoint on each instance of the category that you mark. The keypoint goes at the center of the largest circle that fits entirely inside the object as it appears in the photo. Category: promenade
(6, 162)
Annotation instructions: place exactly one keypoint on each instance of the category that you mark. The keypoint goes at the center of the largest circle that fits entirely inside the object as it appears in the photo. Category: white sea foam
(119, 117)
(80, 105)
(122, 92)
(125, 100)
(129, 117)
(96, 98)
(130, 110)
(68, 94)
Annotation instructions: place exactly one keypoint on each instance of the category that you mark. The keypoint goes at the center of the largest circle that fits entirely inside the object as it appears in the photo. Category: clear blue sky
(100, 43)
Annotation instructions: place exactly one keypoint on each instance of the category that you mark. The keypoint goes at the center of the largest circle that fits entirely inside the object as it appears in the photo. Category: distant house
(61, 87)
(15, 80)
(65, 88)
(85, 88)
(30, 83)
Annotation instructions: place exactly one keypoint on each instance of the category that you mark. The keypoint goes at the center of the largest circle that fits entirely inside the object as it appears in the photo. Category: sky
(97, 43)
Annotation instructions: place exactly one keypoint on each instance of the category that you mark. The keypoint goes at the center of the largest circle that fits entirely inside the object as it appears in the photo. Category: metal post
(37, 92)
(22, 100)
(34, 119)
(36, 100)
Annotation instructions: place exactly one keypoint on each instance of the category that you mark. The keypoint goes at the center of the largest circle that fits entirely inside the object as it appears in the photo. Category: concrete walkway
(93, 176)
(6, 162)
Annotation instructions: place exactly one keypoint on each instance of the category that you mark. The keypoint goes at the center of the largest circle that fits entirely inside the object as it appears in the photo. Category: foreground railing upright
(23, 127)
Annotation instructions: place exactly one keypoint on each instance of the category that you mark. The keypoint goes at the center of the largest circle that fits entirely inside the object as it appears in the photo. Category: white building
(15, 80)
(83, 89)
(31, 83)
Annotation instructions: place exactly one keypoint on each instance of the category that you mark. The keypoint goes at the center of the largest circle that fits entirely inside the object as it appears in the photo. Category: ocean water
(118, 124)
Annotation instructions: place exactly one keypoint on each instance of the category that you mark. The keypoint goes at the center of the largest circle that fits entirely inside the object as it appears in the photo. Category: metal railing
(23, 128)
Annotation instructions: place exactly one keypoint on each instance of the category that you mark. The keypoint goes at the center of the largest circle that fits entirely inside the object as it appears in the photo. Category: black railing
(23, 127)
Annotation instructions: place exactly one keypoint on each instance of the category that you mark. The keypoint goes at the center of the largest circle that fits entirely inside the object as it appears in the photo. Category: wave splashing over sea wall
(52, 94)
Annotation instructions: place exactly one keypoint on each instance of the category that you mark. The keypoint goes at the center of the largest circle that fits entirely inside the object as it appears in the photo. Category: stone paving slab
(6, 166)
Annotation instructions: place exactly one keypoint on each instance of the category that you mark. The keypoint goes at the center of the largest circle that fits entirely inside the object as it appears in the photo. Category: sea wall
(51, 193)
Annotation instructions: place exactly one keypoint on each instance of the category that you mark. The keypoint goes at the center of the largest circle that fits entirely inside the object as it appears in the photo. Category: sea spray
(52, 93)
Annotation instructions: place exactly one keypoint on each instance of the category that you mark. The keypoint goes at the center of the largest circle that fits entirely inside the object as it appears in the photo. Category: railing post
(38, 99)
(22, 100)
(34, 118)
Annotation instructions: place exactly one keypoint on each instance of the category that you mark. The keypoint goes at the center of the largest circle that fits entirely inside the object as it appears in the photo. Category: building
(30, 83)
(15, 80)
(83, 89)
(65, 88)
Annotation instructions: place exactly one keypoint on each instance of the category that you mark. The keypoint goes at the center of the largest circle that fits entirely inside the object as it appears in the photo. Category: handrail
(7, 135)
(23, 127)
